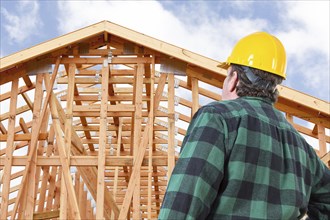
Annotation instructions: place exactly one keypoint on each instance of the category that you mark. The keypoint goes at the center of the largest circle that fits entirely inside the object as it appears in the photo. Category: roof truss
(105, 142)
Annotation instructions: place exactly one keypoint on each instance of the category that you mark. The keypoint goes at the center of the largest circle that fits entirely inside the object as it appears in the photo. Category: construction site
(92, 122)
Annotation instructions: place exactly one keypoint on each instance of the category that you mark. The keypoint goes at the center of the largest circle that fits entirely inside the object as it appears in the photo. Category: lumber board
(52, 182)
(150, 92)
(93, 80)
(17, 73)
(23, 137)
(86, 161)
(83, 119)
(63, 159)
(304, 100)
(27, 81)
(46, 215)
(109, 108)
(195, 96)
(139, 158)
(46, 170)
(21, 90)
(67, 138)
(3, 130)
(115, 60)
(28, 101)
(322, 140)
(102, 142)
(9, 151)
(300, 112)
(29, 195)
(138, 90)
(116, 174)
(88, 173)
(171, 126)
(33, 142)
(19, 111)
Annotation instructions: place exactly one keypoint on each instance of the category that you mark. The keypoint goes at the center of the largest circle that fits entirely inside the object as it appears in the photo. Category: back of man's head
(255, 82)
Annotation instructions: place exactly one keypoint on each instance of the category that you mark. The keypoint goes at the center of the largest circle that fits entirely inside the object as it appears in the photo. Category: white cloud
(145, 16)
(216, 39)
(209, 37)
(23, 23)
(242, 6)
(302, 26)
(307, 24)
(305, 34)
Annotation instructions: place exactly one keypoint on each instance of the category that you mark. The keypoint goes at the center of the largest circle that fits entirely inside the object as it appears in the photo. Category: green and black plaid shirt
(241, 159)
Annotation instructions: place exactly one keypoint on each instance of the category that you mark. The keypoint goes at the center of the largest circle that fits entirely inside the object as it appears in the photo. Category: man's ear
(232, 82)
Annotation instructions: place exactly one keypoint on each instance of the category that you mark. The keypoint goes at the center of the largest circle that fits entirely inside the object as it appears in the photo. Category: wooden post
(33, 143)
(119, 134)
(195, 98)
(89, 174)
(171, 127)
(151, 136)
(289, 117)
(89, 211)
(40, 152)
(139, 158)
(63, 158)
(102, 142)
(137, 134)
(46, 171)
(9, 150)
(82, 200)
(322, 141)
(67, 136)
(57, 193)
(29, 191)
(52, 182)
(27, 100)
(23, 204)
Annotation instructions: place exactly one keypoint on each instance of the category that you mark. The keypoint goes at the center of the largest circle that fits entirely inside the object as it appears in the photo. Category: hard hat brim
(224, 65)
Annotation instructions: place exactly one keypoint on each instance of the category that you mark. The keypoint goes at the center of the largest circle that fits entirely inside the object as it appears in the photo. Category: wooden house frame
(103, 144)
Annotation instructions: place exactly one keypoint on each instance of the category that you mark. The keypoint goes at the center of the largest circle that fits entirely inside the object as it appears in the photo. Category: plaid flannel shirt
(241, 159)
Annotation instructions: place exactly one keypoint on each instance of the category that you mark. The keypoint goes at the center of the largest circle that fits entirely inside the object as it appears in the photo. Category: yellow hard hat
(259, 50)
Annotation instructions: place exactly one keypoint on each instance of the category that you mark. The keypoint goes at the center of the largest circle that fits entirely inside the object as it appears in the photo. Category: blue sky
(210, 28)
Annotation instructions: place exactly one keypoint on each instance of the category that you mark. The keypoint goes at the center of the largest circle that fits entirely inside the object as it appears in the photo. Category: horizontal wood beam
(85, 161)
(114, 60)
(8, 76)
(110, 98)
(124, 128)
(21, 90)
(19, 110)
(110, 108)
(46, 215)
(300, 112)
(23, 137)
(114, 72)
(304, 100)
(93, 80)
(126, 141)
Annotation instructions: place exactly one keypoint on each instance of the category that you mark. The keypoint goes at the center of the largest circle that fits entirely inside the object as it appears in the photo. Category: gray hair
(257, 83)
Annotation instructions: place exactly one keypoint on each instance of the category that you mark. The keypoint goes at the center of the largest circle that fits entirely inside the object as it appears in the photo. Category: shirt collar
(262, 99)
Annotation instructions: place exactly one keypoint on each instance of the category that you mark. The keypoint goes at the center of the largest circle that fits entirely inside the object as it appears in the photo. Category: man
(241, 159)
